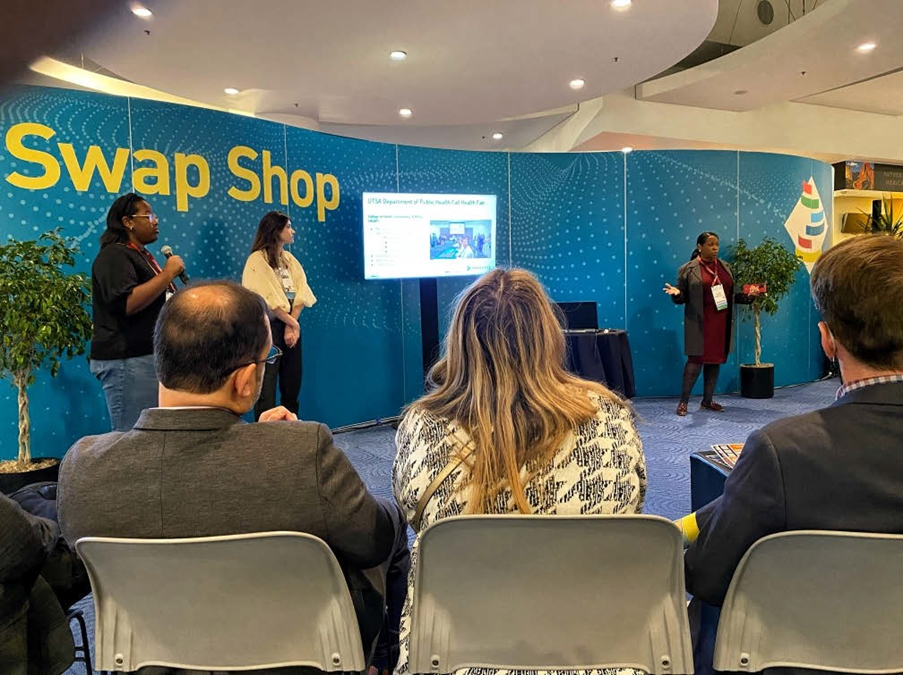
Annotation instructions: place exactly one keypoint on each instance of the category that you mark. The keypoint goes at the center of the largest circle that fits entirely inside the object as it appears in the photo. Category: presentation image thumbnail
(428, 235)
(467, 239)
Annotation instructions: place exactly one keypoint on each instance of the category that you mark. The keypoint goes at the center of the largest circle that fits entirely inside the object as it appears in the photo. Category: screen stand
(429, 324)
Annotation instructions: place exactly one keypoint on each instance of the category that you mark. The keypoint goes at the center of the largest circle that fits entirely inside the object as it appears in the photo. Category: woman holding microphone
(128, 291)
(278, 277)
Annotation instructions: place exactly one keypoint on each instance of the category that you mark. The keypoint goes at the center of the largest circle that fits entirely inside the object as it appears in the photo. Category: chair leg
(82, 651)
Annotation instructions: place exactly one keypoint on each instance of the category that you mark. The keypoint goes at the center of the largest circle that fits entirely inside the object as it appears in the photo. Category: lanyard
(713, 272)
(149, 259)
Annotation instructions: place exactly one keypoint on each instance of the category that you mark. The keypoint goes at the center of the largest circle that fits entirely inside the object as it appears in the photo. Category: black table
(602, 356)
(707, 475)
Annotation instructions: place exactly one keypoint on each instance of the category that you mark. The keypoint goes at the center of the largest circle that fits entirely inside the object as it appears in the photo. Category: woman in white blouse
(277, 275)
(504, 428)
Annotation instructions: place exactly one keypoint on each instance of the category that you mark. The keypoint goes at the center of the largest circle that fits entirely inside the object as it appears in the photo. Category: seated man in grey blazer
(192, 468)
(837, 468)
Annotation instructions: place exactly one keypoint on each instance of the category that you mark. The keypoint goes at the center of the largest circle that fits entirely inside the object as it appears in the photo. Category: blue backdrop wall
(603, 227)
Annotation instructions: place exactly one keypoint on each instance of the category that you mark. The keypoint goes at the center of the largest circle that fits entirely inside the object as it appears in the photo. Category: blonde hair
(502, 378)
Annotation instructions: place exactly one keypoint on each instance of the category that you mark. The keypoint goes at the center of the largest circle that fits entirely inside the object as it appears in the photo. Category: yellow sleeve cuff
(688, 528)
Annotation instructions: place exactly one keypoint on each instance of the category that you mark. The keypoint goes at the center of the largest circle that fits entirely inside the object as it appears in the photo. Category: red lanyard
(155, 268)
(714, 272)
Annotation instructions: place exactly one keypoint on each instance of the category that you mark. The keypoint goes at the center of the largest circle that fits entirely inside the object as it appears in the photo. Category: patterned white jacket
(600, 469)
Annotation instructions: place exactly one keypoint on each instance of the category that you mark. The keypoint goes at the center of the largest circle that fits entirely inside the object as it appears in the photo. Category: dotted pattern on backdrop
(770, 188)
(72, 405)
(429, 170)
(354, 332)
(567, 219)
(671, 198)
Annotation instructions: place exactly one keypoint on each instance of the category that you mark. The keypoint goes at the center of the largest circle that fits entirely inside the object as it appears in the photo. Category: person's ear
(828, 344)
(244, 383)
(125, 225)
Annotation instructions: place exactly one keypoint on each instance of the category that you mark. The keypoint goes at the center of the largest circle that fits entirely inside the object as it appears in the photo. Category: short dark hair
(858, 288)
(124, 207)
(197, 345)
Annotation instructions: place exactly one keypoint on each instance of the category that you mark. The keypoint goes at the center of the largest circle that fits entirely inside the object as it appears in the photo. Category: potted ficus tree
(44, 319)
(771, 264)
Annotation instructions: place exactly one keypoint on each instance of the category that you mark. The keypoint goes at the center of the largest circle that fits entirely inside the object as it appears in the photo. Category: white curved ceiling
(470, 62)
(812, 60)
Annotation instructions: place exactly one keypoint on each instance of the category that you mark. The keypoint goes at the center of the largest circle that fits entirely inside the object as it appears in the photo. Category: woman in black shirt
(129, 289)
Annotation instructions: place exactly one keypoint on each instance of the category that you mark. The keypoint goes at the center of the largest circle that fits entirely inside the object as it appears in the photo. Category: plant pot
(10, 482)
(757, 381)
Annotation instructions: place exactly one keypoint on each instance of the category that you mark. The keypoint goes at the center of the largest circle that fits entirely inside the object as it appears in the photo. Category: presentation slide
(428, 235)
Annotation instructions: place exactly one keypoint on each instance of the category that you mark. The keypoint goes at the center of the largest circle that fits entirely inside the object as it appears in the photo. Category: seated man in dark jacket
(192, 468)
(34, 635)
(838, 468)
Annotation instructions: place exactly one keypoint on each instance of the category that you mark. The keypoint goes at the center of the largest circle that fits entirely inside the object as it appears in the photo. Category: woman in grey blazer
(705, 287)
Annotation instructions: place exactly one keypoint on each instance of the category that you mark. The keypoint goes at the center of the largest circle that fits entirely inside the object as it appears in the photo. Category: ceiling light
(398, 55)
(620, 4)
(405, 112)
(626, 149)
(866, 47)
(577, 83)
(140, 10)
(497, 136)
(232, 91)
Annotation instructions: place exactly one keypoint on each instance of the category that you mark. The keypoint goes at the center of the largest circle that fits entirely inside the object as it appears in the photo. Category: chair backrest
(221, 603)
(815, 599)
(550, 592)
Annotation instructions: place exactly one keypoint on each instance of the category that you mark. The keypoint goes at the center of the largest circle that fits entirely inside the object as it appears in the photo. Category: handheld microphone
(167, 251)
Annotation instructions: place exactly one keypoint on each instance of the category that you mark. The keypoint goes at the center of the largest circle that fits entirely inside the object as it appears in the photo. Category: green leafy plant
(45, 315)
(885, 222)
(768, 263)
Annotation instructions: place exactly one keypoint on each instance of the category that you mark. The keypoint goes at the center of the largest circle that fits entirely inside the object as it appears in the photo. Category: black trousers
(287, 371)
(379, 593)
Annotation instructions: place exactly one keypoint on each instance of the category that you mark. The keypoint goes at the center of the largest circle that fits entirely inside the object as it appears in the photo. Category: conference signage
(252, 172)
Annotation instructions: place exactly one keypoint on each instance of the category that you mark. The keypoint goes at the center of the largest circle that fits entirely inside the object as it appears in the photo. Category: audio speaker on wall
(765, 12)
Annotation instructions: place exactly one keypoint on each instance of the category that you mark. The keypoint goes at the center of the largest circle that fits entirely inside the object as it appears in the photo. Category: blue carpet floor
(668, 442)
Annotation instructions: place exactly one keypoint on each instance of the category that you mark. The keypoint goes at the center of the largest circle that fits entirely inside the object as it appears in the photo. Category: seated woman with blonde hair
(511, 430)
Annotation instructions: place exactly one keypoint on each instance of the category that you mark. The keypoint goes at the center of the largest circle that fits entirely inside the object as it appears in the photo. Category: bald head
(205, 332)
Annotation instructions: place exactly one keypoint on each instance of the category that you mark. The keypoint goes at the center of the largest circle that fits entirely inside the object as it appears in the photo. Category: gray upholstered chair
(550, 592)
(221, 603)
(815, 599)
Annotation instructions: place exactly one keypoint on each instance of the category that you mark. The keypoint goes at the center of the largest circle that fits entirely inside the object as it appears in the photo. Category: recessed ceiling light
(577, 83)
(497, 136)
(866, 47)
(232, 91)
(398, 55)
(142, 11)
(626, 149)
(405, 112)
(620, 4)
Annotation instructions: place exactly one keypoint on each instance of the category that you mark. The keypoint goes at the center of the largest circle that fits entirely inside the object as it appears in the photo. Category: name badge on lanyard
(287, 285)
(719, 296)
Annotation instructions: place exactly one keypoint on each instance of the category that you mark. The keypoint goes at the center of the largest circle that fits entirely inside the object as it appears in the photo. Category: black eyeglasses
(271, 358)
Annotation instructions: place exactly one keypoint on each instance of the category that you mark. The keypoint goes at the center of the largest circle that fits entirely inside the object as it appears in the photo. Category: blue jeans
(129, 385)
